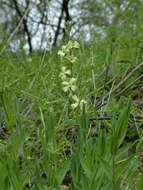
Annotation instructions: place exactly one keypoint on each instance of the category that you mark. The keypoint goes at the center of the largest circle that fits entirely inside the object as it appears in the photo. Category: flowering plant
(68, 81)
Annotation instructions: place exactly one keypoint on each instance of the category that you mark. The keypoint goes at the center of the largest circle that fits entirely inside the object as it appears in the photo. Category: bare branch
(15, 30)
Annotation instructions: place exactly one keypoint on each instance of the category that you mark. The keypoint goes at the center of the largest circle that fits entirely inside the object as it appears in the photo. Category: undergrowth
(88, 137)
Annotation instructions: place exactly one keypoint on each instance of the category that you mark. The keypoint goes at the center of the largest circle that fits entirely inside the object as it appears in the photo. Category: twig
(130, 85)
(99, 105)
(14, 32)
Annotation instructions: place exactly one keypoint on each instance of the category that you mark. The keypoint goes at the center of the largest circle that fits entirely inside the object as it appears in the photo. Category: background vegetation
(45, 144)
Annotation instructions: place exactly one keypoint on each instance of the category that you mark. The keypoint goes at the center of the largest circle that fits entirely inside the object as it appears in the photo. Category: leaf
(85, 167)
(62, 172)
(122, 167)
(123, 123)
(107, 169)
(42, 118)
(123, 151)
(140, 184)
(8, 112)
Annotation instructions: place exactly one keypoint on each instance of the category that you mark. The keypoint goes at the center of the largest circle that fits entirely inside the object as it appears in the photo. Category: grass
(46, 145)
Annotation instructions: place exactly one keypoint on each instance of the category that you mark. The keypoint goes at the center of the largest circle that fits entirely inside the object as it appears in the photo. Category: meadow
(72, 118)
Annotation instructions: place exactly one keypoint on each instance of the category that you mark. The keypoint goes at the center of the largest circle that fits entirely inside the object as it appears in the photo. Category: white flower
(70, 45)
(68, 72)
(76, 45)
(61, 53)
(72, 59)
(69, 85)
(72, 80)
(64, 73)
(66, 86)
(65, 49)
(82, 102)
(78, 102)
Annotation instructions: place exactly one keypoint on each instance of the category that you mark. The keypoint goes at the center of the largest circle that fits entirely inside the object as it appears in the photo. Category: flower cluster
(64, 73)
(78, 102)
(69, 85)
(66, 51)
(68, 81)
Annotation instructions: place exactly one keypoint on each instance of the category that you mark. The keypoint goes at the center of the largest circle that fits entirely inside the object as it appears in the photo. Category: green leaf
(107, 169)
(85, 167)
(8, 112)
(62, 172)
(122, 167)
(140, 184)
(122, 152)
(123, 123)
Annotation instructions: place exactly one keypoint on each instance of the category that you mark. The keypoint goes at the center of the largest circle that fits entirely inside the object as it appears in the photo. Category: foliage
(71, 118)
(47, 145)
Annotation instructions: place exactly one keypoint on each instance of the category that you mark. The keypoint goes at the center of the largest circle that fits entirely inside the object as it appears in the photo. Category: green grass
(45, 144)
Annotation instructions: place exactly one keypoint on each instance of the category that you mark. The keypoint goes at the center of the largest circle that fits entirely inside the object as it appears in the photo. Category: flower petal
(73, 59)
(75, 98)
(68, 72)
(61, 53)
(65, 88)
(72, 80)
(76, 45)
(82, 102)
(65, 83)
(73, 87)
(63, 68)
(75, 105)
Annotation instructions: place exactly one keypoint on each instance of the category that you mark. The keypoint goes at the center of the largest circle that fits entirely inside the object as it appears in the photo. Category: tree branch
(26, 30)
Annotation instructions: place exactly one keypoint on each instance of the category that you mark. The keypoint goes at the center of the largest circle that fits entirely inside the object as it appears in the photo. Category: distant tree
(54, 20)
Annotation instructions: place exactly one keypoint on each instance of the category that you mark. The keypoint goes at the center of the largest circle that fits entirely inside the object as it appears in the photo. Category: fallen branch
(100, 104)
